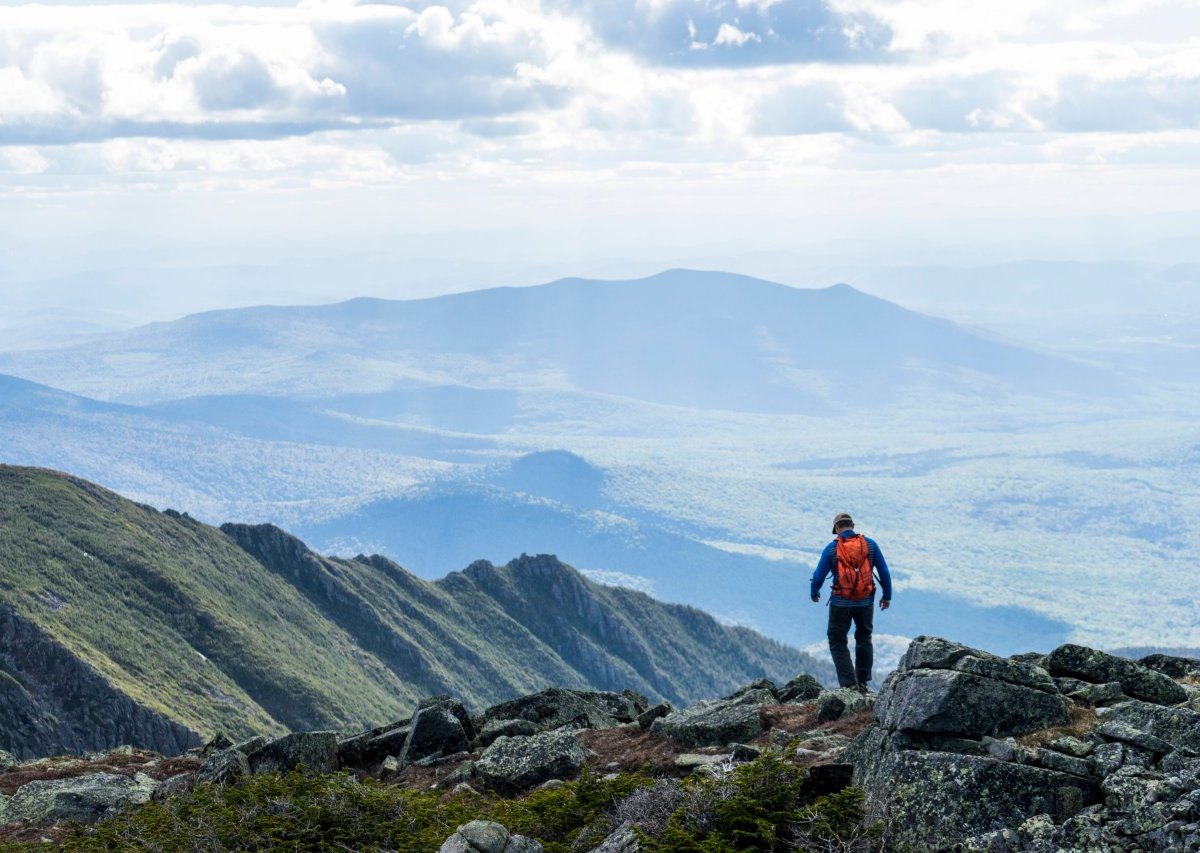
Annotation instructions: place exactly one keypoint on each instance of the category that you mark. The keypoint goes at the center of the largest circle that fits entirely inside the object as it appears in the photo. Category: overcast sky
(595, 128)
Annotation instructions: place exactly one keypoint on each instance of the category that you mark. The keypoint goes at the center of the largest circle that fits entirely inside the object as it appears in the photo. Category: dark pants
(840, 618)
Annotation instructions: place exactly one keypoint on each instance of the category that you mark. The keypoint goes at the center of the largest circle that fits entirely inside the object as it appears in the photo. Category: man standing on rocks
(854, 561)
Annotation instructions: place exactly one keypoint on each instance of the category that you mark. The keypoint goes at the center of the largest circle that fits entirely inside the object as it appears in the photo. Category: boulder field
(960, 750)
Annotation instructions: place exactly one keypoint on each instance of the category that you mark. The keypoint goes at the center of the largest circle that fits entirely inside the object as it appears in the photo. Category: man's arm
(824, 565)
(885, 577)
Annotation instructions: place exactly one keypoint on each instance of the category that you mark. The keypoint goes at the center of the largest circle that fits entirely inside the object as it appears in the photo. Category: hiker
(850, 558)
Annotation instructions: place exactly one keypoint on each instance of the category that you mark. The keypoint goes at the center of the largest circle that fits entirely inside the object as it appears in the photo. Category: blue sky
(611, 125)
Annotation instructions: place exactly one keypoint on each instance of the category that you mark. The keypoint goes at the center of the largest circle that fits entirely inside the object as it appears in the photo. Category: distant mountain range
(704, 340)
(555, 501)
(125, 624)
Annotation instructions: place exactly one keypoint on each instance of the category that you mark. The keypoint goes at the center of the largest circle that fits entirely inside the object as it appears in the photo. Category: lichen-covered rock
(1099, 667)
(435, 731)
(1171, 665)
(7, 761)
(511, 764)
(715, 722)
(1119, 730)
(454, 706)
(493, 729)
(83, 798)
(936, 653)
(936, 799)
(580, 709)
(800, 689)
(647, 717)
(841, 702)
(315, 751)
(372, 747)
(761, 684)
(1179, 727)
(217, 743)
(485, 836)
(948, 702)
(223, 768)
(1052, 760)
(622, 840)
(1098, 694)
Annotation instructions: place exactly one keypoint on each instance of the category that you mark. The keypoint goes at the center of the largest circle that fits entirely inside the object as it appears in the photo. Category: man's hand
(816, 599)
(885, 604)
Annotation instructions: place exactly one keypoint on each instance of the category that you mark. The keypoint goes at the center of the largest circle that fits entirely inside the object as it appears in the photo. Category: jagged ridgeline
(123, 624)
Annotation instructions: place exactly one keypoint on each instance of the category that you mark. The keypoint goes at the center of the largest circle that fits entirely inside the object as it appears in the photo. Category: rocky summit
(960, 750)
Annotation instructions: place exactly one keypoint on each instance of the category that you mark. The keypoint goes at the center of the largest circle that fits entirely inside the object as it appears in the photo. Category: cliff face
(51, 701)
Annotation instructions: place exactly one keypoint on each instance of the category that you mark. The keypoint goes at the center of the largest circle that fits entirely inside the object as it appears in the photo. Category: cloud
(223, 71)
(818, 107)
(734, 33)
(1127, 104)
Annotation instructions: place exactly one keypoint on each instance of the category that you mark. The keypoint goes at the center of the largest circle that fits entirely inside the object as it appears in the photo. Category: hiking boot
(861, 688)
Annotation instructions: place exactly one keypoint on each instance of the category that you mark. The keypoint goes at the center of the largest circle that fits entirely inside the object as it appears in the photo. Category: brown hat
(842, 518)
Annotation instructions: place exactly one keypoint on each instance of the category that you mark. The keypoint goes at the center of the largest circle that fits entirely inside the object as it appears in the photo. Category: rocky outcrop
(943, 761)
(515, 764)
(485, 836)
(313, 751)
(52, 702)
(716, 722)
(1136, 680)
(83, 798)
(580, 709)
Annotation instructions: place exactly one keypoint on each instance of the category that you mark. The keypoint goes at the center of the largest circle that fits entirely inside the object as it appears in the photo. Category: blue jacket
(828, 561)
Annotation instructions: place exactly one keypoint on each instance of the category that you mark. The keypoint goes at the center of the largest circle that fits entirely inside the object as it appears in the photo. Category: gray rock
(485, 836)
(84, 798)
(1171, 665)
(493, 729)
(745, 752)
(454, 706)
(223, 768)
(1108, 757)
(315, 751)
(964, 704)
(689, 761)
(933, 800)
(1100, 668)
(1131, 789)
(936, 653)
(461, 773)
(1066, 685)
(623, 840)
(511, 764)
(217, 743)
(1179, 727)
(372, 747)
(177, 785)
(556, 707)
(436, 730)
(1063, 763)
(250, 744)
(7, 761)
(800, 689)
(761, 684)
(841, 702)
(1099, 694)
(647, 717)
(1122, 731)
(1072, 746)
(715, 722)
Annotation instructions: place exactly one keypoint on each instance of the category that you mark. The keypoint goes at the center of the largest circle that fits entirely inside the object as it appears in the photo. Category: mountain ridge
(247, 630)
(687, 338)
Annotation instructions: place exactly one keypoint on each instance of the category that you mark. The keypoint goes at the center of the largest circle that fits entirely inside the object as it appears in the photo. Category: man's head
(842, 521)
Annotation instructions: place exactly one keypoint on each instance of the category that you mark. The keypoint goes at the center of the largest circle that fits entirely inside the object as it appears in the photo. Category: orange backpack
(852, 579)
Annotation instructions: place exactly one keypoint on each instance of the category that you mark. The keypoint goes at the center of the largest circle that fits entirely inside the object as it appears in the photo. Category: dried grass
(1083, 719)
